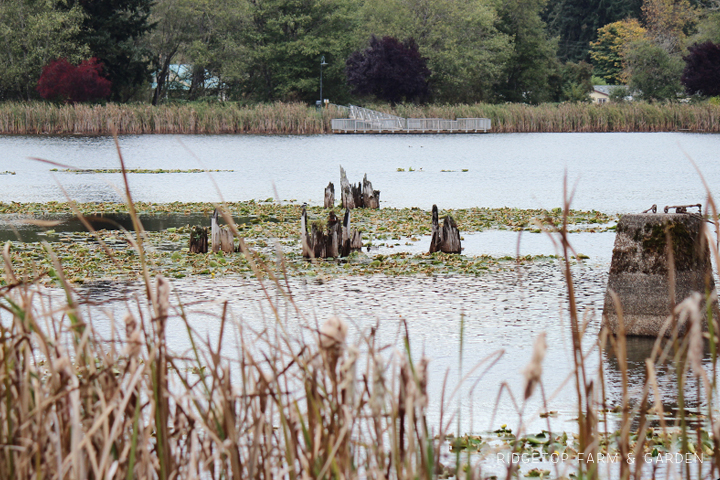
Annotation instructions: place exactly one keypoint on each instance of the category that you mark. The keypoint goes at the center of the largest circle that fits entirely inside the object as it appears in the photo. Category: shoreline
(37, 118)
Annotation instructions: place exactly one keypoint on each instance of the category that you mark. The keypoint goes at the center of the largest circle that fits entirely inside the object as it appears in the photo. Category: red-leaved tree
(63, 81)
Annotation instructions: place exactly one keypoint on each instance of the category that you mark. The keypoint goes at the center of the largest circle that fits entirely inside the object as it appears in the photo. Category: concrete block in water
(640, 270)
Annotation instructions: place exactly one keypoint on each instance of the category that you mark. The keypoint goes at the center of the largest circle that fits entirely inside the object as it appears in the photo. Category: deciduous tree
(702, 69)
(608, 52)
(61, 80)
(390, 70)
(654, 73)
(32, 33)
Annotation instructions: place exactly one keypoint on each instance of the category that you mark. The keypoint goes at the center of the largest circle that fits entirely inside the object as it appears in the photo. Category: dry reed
(299, 119)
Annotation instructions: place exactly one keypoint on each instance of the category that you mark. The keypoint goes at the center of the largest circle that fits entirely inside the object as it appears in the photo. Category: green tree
(608, 52)
(654, 73)
(285, 40)
(114, 30)
(465, 50)
(572, 82)
(576, 22)
(532, 59)
(32, 33)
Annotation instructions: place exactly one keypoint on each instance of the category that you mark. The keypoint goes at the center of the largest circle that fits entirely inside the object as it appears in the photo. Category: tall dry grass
(76, 403)
(297, 118)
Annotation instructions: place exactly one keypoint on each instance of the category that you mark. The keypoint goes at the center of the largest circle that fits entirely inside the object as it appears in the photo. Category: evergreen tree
(576, 22)
(532, 59)
(285, 40)
(113, 30)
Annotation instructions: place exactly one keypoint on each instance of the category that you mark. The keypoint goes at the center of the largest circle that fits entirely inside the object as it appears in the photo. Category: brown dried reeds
(299, 119)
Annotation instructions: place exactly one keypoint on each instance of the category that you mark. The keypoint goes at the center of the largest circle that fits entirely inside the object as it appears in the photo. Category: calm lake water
(614, 172)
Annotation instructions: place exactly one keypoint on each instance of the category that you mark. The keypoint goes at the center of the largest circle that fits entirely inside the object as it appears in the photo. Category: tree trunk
(330, 195)
(198, 240)
(222, 238)
(447, 238)
(371, 198)
(346, 197)
(162, 77)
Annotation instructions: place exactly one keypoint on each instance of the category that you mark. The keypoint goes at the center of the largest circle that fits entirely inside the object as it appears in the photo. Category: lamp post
(322, 64)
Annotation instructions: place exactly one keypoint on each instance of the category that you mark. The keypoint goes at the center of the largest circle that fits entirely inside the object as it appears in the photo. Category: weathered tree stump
(338, 241)
(351, 239)
(330, 195)
(447, 238)
(198, 240)
(360, 196)
(347, 198)
(371, 198)
(222, 237)
(658, 261)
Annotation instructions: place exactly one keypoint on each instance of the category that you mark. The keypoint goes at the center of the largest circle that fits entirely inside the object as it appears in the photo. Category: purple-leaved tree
(390, 70)
(702, 69)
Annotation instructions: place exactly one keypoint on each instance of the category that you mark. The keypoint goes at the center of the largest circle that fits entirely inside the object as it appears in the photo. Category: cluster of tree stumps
(338, 241)
(221, 238)
(351, 196)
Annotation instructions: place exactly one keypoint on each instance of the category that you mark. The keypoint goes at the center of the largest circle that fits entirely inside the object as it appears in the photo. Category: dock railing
(365, 120)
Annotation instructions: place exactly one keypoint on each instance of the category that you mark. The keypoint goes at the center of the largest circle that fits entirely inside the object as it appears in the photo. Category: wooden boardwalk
(363, 120)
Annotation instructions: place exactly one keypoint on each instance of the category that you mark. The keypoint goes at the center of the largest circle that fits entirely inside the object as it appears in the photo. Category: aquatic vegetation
(134, 170)
(7, 172)
(299, 118)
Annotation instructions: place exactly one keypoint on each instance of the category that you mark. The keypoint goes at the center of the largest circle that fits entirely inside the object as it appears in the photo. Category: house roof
(605, 89)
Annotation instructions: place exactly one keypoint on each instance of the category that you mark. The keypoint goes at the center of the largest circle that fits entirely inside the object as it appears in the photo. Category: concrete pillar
(640, 270)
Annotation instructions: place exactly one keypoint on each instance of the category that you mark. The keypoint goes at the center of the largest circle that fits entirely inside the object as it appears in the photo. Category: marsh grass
(297, 118)
(77, 403)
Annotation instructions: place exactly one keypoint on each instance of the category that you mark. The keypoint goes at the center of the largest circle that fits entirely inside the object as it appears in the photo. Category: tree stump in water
(330, 195)
(371, 198)
(360, 196)
(338, 241)
(347, 199)
(198, 240)
(222, 237)
(447, 238)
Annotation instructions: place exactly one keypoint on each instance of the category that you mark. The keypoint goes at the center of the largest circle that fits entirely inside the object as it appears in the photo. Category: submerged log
(198, 240)
(371, 198)
(222, 237)
(447, 238)
(330, 195)
(658, 261)
(337, 241)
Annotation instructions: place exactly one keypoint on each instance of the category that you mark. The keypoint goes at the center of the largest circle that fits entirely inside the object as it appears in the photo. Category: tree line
(441, 51)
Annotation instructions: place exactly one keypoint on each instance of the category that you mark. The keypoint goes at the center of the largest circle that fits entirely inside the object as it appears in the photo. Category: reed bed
(299, 119)
(76, 403)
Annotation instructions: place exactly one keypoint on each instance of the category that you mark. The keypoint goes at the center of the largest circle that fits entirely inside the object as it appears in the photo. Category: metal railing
(365, 120)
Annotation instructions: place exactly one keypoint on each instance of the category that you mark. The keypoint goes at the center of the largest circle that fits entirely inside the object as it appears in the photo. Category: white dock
(363, 120)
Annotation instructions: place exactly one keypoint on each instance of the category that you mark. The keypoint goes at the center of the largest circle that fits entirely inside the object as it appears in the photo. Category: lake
(614, 172)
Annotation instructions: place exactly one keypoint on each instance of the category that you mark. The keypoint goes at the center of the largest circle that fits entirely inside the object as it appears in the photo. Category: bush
(62, 81)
